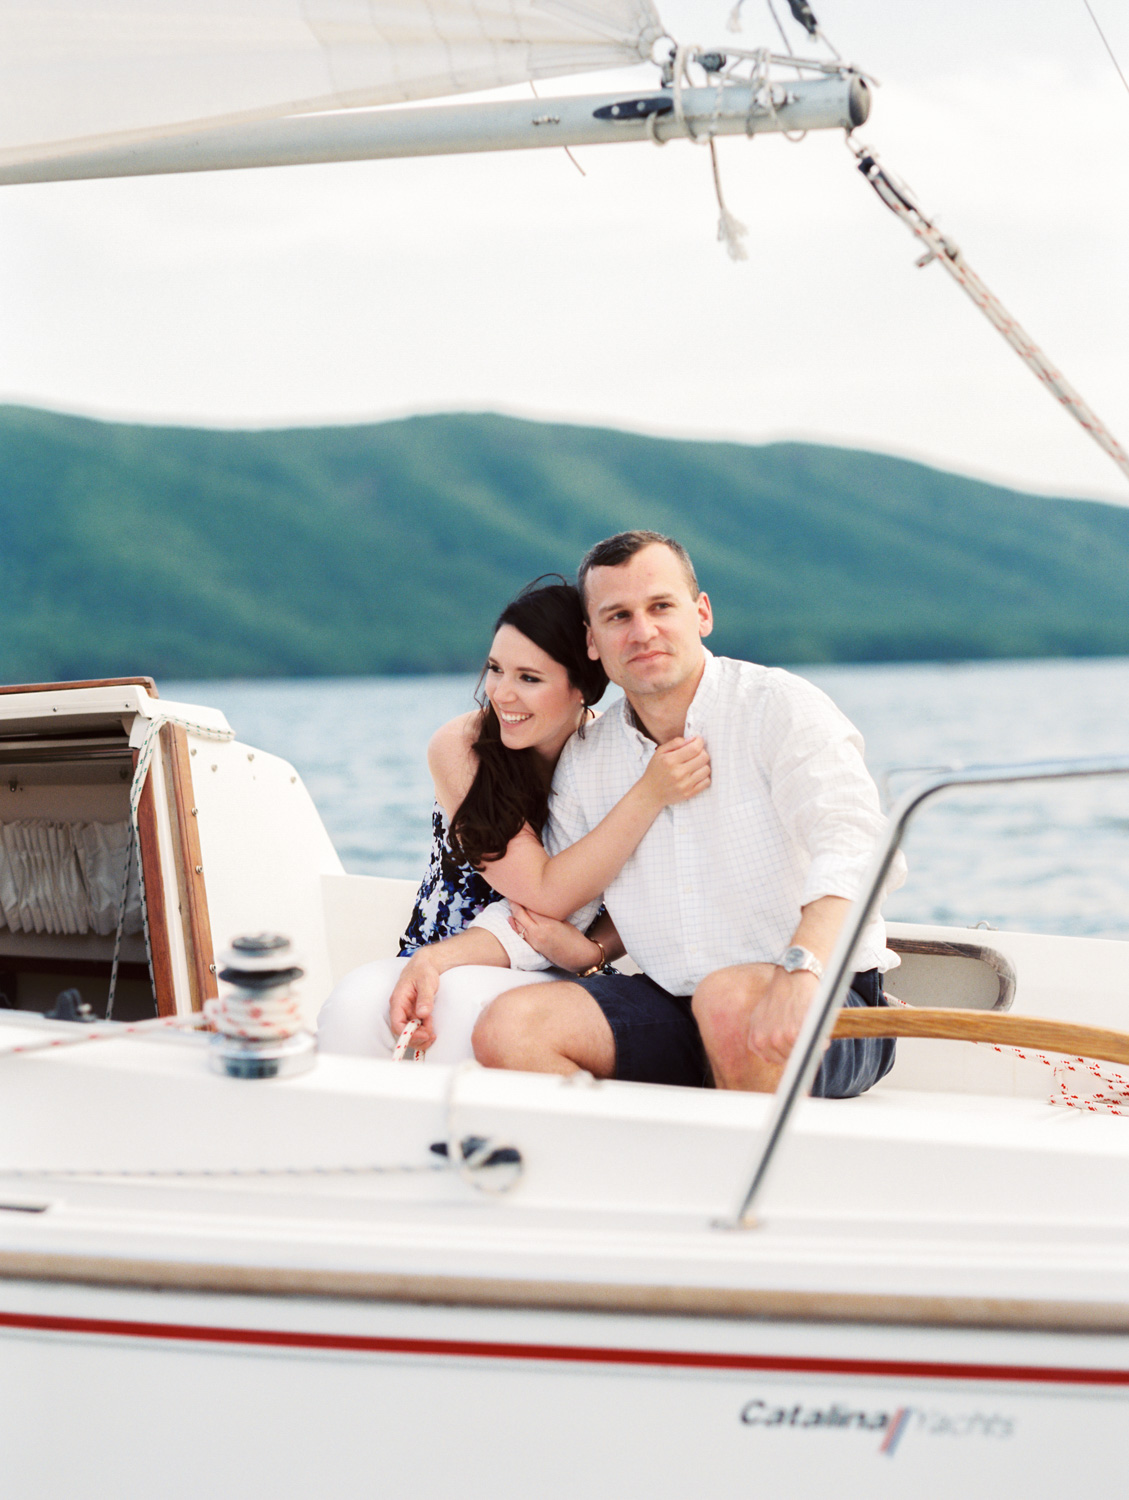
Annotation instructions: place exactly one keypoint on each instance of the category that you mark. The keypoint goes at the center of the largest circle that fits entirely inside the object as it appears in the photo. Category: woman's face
(536, 704)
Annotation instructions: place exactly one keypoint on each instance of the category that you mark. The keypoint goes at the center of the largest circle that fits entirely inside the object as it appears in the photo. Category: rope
(566, 149)
(898, 199)
(779, 27)
(1108, 48)
(733, 23)
(730, 231)
(256, 1016)
(110, 1034)
(469, 1157)
(1114, 1102)
(472, 1153)
(145, 753)
(366, 1169)
(682, 55)
(399, 1052)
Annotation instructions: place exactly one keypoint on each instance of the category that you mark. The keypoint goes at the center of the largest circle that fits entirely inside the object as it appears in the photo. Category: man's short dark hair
(614, 551)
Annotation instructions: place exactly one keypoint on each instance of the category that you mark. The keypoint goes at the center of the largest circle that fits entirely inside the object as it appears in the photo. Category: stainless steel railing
(808, 1050)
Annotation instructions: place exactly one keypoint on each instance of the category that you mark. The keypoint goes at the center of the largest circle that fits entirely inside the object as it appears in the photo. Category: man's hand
(776, 1018)
(414, 998)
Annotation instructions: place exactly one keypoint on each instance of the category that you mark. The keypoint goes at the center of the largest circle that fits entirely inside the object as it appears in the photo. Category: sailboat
(229, 1264)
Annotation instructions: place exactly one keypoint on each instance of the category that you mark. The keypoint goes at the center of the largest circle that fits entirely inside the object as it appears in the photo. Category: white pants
(355, 1017)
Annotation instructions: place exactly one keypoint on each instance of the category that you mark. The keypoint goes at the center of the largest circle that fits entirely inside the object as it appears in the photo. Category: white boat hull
(206, 1319)
(279, 1288)
(183, 1395)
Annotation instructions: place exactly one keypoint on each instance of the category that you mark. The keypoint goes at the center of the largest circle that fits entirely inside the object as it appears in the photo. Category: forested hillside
(388, 548)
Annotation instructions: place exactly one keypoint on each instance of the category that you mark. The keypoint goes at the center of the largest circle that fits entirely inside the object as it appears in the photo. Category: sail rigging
(158, 86)
(898, 198)
(85, 77)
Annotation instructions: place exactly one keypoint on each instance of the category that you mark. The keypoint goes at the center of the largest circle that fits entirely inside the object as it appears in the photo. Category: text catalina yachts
(760, 1413)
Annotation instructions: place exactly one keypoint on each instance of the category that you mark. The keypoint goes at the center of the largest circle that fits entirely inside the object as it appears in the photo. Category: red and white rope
(400, 1051)
(897, 197)
(1111, 1099)
(256, 1016)
(76, 1036)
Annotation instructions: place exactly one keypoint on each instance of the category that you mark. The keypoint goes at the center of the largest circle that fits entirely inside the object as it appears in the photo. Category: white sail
(76, 76)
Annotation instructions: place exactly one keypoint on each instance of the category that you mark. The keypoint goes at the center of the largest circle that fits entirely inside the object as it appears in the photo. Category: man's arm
(776, 1018)
(821, 789)
(413, 999)
(827, 800)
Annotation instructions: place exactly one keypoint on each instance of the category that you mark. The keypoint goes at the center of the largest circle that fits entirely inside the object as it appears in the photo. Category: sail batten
(77, 77)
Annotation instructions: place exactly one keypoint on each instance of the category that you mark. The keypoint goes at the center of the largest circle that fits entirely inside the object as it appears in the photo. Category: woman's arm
(564, 945)
(560, 885)
(413, 998)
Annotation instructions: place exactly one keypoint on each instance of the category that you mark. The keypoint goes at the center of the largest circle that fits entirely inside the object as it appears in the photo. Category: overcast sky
(361, 291)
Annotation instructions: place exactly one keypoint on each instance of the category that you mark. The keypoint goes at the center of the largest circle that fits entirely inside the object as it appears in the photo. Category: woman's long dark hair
(509, 787)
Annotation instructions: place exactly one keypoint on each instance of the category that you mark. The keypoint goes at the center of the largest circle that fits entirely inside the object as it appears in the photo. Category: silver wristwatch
(795, 957)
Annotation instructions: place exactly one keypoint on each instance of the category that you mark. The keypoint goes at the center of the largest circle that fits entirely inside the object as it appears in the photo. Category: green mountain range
(389, 548)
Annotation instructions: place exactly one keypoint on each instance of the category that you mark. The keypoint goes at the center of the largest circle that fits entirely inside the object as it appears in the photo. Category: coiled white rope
(256, 1016)
(145, 753)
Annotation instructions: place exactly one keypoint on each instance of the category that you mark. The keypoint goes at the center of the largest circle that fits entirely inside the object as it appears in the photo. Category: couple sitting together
(715, 824)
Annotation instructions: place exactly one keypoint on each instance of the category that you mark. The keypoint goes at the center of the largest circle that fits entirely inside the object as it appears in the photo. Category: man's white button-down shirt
(791, 814)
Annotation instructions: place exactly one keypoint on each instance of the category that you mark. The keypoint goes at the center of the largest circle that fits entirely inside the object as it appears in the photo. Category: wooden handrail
(1063, 1037)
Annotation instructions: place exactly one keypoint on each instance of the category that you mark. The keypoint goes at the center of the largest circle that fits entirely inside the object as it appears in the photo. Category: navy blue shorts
(657, 1038)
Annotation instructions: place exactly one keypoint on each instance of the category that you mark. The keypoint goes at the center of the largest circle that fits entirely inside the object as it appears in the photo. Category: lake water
(1042, 858)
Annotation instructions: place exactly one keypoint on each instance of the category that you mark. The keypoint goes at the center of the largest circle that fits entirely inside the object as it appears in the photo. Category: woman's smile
(536, 704)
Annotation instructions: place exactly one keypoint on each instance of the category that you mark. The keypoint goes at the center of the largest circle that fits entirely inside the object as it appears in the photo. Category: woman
(492, 770)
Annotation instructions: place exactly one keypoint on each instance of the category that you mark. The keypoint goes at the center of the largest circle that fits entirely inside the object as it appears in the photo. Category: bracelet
(598, 965)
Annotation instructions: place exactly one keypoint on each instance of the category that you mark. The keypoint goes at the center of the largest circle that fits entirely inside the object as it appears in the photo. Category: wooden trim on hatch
(95, 682)
(155, 903)
(571, 1296)
(189, 865)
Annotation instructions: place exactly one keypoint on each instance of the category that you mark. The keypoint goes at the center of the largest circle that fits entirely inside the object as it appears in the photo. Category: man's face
(643, 623)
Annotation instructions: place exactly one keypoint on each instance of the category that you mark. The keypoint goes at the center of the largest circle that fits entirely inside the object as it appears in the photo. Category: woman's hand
(560, 942)
(677, 771)
(414, 998)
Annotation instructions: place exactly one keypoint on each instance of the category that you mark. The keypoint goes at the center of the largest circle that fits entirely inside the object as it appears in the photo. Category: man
(734, 900)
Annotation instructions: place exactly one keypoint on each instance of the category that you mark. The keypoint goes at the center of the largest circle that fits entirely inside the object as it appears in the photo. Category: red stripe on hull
(564, 1353)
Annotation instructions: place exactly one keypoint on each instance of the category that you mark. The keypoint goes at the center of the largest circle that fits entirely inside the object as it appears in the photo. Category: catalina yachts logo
(893, 1425)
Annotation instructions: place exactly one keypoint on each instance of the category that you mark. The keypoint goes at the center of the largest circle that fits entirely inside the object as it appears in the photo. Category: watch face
(793, 959)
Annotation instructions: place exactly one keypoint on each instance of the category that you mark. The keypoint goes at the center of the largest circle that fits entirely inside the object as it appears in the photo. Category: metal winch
(259, 1030)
